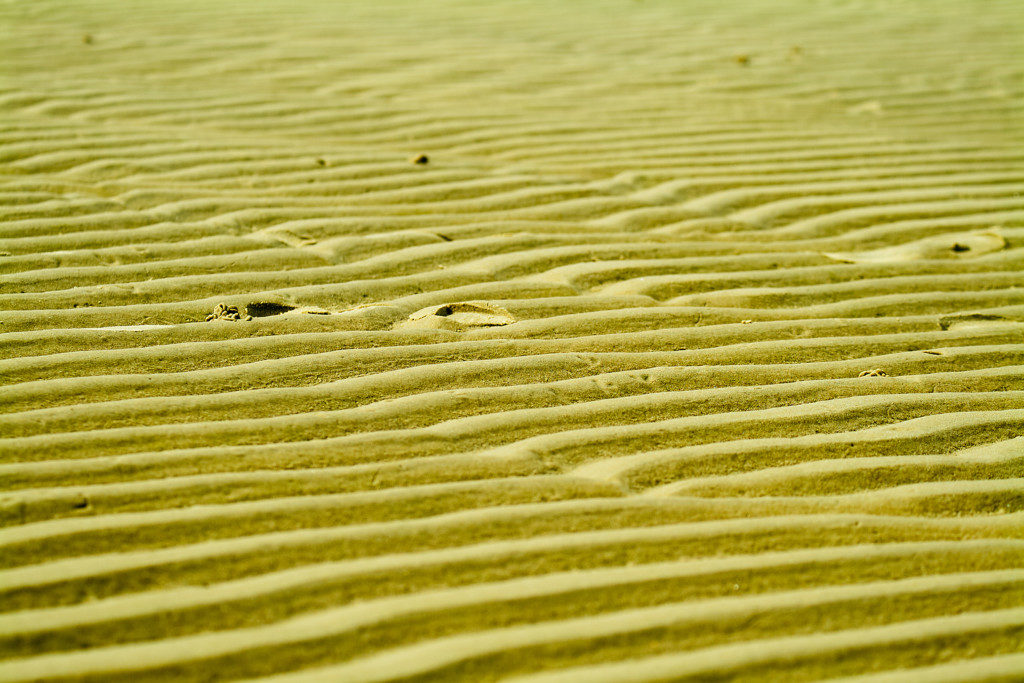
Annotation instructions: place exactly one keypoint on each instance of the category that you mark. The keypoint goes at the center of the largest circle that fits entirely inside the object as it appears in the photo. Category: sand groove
(691, 348)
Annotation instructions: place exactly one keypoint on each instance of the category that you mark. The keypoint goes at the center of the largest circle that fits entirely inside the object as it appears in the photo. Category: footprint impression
(458, 317)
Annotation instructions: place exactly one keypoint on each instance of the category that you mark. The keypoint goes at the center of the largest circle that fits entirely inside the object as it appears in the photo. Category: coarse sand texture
(527, 340)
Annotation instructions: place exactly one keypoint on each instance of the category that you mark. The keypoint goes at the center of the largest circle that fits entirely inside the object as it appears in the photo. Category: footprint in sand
(259, 309)
(959, 245)
(458, 317)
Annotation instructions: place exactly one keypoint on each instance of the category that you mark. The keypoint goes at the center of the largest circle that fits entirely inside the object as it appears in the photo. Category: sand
(594, 340)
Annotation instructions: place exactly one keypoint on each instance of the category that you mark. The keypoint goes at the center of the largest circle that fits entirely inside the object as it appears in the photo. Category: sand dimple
(965, 245)
(458, 317)
(541, 341)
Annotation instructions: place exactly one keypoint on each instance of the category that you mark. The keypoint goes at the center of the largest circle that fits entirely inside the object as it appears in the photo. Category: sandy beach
(589, 340)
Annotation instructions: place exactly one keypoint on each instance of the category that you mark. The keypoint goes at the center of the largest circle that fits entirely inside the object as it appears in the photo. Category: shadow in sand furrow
(903, 644)
(844, 220)
(59, 277)
(465, 388)
(858, 471)
(318, 463)
(394, 416)
(525, 596)
(780, 342)
(315, 505)
(613, 451)
(609, 532)
(999, 494)
(663, 472)
(179, 294)
(683, 624)
(861, 278)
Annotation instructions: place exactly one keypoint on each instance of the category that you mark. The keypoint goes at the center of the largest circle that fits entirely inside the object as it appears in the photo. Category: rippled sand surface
(579, 340)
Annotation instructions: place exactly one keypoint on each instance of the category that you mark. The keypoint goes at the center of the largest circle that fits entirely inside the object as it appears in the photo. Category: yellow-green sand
(578, 340)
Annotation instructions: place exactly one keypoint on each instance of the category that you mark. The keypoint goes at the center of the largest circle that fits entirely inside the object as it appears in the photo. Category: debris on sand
(962, 245)
(877, 372)
(223, 312)
(420, 159)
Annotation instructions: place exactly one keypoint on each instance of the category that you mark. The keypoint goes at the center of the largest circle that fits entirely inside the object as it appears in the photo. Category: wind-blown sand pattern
(625, 340)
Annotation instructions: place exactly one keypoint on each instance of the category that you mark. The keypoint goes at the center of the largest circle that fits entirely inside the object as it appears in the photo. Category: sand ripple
(542, 341)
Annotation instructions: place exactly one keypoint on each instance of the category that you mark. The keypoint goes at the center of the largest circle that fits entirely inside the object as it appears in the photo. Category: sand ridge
(611, 340)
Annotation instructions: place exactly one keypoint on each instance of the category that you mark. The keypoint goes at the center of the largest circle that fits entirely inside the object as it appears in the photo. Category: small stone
(420, 159)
